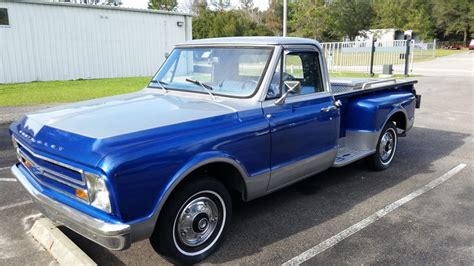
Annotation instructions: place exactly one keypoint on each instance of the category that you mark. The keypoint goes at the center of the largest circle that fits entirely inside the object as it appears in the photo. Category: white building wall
(65, 42)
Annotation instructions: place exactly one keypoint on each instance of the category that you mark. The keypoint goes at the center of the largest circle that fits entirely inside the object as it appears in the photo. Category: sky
(261, 4)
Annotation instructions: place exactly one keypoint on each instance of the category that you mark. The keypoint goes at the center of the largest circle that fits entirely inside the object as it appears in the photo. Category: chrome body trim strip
(299, 170)
(115, 236)
(48, 173)
(53, 188)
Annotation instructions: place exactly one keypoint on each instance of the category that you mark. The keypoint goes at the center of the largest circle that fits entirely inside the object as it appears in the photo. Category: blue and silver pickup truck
(244, 116)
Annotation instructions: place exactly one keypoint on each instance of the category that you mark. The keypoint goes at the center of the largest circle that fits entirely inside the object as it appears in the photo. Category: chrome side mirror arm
(293, 87)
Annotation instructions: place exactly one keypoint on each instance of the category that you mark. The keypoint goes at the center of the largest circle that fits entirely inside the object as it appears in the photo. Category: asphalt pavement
(433, 228)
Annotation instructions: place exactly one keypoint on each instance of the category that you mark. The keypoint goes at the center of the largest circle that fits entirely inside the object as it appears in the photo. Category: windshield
(222, 71)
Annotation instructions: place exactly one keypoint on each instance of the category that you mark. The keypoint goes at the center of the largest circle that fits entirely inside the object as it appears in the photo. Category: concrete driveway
(457, 65)
(433, 228)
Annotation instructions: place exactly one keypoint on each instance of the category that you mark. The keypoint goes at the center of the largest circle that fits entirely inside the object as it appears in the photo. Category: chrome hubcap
(386, 145)
(197, 221)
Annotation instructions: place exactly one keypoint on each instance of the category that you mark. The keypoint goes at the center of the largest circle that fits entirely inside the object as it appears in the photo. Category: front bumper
(110, 235)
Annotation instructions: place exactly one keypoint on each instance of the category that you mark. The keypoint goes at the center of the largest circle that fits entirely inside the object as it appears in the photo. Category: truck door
(304, 129)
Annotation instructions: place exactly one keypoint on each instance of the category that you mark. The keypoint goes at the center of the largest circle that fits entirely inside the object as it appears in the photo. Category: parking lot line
(15, 205)
(7, 179)
(5, 168)
(332, 241)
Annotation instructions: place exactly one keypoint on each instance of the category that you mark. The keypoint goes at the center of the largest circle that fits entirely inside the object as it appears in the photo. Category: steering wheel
(248, 81)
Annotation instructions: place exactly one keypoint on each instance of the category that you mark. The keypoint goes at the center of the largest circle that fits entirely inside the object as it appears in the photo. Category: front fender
(193, 164)
(144, 228)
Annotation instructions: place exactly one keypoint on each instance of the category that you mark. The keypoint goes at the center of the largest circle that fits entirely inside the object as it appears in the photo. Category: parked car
(454, 46)
(245, 116)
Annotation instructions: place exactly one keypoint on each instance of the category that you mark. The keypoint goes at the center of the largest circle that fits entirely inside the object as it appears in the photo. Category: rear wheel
(386, 148)
(192, 223)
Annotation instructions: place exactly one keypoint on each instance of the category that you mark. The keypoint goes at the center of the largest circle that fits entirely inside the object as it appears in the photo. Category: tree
(453, 16)
(112, 3)
(413, 15)
(420, 19)
(246, 4)
(221, 4)
(349, 17)
(221, 23)
(97, 2)
(390, 14)
(168, 5)
(310, 19)
(273, 17)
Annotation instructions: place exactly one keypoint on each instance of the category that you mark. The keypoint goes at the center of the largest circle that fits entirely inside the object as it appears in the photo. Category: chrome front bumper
(109, 235)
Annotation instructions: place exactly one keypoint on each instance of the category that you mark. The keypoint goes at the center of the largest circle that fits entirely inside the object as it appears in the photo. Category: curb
(58, 244)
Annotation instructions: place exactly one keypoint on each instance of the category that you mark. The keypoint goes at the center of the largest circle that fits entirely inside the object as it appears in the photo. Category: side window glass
(294, 66)
(305, 68)
(301, 66)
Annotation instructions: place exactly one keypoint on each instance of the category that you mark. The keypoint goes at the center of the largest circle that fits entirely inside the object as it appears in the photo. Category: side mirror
(293, 86)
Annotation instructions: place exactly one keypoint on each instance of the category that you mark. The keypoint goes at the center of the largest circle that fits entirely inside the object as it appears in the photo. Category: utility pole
(285, 16)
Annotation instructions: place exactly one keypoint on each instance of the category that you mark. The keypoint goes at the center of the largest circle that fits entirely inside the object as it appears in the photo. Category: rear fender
(370, 113)
(367, 115)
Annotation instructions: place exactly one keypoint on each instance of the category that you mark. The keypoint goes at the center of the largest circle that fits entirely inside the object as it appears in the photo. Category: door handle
(329, 108)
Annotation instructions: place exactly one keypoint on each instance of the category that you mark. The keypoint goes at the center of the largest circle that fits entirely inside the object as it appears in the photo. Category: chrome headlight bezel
(15, 144)
(99, 196)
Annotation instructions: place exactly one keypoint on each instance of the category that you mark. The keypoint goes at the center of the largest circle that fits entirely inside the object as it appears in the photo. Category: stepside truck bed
(366, 103)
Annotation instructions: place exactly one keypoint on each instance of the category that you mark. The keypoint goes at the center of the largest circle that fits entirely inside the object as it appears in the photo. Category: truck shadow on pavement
(262, 222)
(305, 205)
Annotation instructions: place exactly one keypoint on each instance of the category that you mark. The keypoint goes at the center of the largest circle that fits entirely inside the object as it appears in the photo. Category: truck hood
(129, 113)
(87, 131)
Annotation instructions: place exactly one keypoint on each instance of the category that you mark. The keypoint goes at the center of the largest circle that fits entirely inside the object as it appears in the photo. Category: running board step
(346, 156)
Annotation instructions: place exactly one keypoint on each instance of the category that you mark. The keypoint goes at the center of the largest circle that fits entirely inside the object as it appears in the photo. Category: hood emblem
(37, 170)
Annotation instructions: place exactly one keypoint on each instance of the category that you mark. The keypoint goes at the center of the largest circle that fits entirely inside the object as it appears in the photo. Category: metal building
(42, 41)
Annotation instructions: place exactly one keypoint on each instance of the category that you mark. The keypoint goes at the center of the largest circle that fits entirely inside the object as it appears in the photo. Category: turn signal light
(81, 194)
(27, 163)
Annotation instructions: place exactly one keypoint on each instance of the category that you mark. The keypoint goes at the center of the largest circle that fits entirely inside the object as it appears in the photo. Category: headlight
(97, 192)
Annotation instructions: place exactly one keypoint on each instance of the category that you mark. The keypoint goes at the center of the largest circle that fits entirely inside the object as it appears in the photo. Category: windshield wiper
(161, 83)
(206, 87)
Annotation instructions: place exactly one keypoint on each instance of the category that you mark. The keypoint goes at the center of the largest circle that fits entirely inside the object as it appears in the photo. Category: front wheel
(192, 222)
(386, 148)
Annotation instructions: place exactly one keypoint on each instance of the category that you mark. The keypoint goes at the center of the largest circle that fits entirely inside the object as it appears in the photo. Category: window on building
(4, 17)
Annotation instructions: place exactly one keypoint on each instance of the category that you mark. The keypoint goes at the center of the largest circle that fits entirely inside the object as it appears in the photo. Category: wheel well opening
(228, 174)
(400, 120)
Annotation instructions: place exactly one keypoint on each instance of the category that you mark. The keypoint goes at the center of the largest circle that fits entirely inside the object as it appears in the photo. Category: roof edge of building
(39, 2)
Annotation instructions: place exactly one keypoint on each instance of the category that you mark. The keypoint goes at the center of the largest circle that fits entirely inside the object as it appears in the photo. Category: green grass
(67, 91)
(428, 55)
(445, 52)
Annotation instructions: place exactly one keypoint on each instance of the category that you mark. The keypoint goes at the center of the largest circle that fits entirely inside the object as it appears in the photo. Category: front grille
(50, 173)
